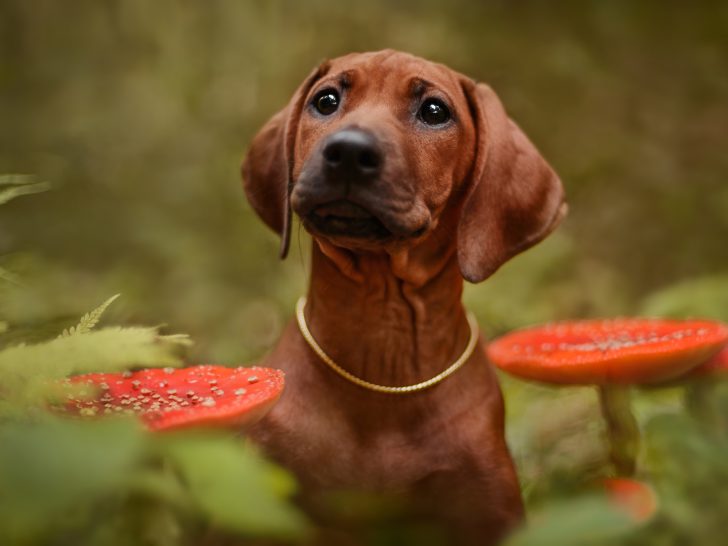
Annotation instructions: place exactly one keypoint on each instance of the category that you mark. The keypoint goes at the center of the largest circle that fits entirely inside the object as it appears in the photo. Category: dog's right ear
(515, 198)
(268, 165)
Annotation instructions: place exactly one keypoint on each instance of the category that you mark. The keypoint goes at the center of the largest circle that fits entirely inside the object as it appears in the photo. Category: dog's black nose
(352, 154)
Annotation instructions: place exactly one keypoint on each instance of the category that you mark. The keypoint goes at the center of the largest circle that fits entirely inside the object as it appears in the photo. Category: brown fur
(460, 200)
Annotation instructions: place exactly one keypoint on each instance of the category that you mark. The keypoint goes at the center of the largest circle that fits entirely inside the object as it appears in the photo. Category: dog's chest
(329, 450)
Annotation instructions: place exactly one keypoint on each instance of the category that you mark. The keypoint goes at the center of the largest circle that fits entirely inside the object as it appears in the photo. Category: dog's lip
(342, 208)
(344, 218)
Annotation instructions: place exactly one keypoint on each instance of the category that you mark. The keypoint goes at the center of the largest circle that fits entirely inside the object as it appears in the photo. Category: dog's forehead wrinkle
(418, 85)
(345, 78)
(403, 66)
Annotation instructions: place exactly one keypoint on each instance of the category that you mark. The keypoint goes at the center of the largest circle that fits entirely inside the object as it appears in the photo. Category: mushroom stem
(696, 394)
(699, 399)
(622, 428)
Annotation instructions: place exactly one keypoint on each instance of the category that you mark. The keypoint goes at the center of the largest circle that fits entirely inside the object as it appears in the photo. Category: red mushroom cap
(615, 351)
(636, 498)
(716, 365)
(170, 399)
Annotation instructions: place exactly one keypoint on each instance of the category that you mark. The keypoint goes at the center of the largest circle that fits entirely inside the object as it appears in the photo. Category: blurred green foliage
(108, 482)
(64, 481)
(135, 115)
(697, 297)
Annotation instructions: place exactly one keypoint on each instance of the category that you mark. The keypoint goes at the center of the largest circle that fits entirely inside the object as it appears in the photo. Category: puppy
(410, 177)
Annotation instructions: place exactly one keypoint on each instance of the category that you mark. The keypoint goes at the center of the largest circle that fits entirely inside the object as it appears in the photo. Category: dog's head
(378, 151)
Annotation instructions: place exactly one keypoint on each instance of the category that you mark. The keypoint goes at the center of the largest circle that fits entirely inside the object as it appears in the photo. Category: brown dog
(409, 176)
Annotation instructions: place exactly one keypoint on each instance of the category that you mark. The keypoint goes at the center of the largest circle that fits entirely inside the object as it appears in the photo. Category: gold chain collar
(455, 366)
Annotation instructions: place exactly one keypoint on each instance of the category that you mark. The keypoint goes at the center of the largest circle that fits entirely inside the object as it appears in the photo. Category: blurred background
(138, 115)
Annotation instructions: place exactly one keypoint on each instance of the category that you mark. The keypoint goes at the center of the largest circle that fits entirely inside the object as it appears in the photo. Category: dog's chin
(344, 221)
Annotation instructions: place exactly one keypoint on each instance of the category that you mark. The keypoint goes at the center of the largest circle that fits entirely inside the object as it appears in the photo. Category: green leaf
(687, 462)
(15, 185)
(236, 488)
(51, 469)
(581, 521)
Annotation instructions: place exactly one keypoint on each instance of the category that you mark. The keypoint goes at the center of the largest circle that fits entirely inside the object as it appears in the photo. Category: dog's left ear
(267, 167)
(514, 200)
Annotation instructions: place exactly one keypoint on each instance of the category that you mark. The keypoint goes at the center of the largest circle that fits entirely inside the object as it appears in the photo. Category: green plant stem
(622, 429)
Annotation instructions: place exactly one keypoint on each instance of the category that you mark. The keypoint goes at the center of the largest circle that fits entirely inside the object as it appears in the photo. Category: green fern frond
(15, 179)
(28, 370)
(177, 339)
(107, 349)
(15, 185)
(89, 320)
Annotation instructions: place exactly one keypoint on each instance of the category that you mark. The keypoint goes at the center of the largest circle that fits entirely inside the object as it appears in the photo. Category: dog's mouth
(347, 219)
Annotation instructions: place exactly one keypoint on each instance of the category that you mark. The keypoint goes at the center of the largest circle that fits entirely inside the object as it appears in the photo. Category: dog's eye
(326, 102)
(434, 112)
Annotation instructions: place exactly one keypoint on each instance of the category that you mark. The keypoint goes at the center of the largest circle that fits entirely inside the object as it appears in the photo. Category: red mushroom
(635, 498)
(610, 354)
(170, 399)
(625, 351)
(716, 365)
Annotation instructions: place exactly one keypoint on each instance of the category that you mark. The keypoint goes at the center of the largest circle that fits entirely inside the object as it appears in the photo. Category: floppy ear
(514, 200)
(267, 167)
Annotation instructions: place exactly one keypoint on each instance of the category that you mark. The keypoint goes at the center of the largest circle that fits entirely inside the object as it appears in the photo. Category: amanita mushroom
(610, 354)
(635, 498)
(716, 365)
(171, 399)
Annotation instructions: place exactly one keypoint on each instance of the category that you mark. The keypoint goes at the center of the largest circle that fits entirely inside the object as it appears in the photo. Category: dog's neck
(384, 320)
